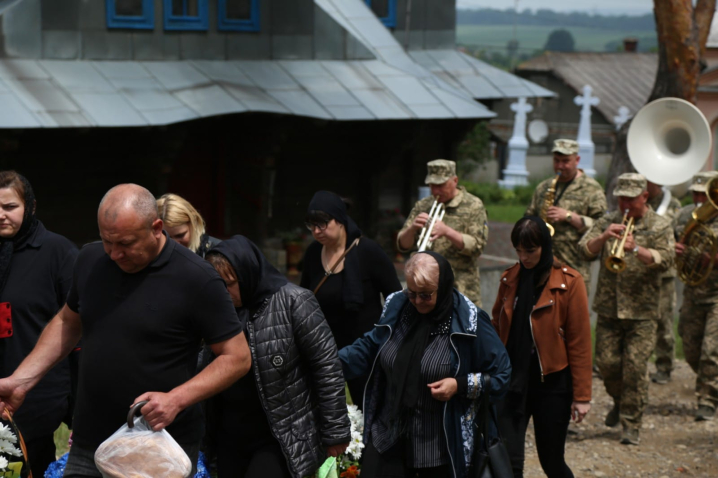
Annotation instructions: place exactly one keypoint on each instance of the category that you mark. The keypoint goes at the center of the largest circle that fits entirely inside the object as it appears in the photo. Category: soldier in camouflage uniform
(698, 320)
(462, 234)
(626, 301)
(662, 201)
(578, 201)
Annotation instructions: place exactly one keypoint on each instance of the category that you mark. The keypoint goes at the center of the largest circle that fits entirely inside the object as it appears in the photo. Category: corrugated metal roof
(475, 77)
(48, 93)
(618, 79)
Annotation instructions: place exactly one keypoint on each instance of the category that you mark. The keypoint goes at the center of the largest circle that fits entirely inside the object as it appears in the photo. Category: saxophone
(548, 202)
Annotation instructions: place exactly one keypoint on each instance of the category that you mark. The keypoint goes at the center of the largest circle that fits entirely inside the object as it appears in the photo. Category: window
(385, 10)
(186, 14)
(239, 15)
(135, 14)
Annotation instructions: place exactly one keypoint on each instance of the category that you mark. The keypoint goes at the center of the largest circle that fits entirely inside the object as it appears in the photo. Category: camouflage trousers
(698, 327)
(623, 347)
(665, 340)
(467, 282)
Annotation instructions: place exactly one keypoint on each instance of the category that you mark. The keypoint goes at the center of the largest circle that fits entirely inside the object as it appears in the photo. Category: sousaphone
(669, 141)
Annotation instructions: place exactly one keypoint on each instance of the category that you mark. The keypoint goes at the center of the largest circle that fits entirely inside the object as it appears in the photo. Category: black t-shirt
(37, 284)
(378, 277)
(141, 333)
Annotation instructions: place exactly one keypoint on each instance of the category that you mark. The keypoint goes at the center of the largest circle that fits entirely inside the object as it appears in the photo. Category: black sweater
(378, 277)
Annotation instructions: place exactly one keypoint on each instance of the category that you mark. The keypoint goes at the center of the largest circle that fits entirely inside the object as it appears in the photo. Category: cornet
(615, 262)
(436, 213)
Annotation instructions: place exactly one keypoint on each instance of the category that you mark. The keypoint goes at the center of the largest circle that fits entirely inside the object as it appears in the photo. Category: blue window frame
(134, 14)
(186, 15)
(238, 15)
(385, 10)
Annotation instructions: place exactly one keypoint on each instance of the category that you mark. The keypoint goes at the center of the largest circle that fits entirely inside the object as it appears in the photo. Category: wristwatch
(635, 251)
(568, 216)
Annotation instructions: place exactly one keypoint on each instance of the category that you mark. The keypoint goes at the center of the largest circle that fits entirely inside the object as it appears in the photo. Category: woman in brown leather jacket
(541, 315)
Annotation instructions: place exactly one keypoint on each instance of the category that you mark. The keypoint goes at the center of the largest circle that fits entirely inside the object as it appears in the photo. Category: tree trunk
(682, 34)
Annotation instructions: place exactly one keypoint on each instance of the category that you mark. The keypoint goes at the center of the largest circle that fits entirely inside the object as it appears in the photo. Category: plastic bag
(139, 452)
(328, 468)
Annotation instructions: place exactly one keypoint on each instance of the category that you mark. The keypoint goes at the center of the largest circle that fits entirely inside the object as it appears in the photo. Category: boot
(613, 416)
(661, 377)
(629, 436)
(705, 413)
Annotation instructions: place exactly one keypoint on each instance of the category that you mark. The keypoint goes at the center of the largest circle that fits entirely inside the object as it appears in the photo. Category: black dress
(378, 279)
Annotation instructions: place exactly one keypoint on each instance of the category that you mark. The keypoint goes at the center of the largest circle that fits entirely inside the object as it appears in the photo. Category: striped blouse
(427, 447)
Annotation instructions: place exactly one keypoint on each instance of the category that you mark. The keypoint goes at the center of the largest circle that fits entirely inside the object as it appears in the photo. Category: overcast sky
(628, 7)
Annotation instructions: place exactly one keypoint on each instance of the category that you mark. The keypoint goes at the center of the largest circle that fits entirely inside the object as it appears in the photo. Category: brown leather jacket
(559, 324)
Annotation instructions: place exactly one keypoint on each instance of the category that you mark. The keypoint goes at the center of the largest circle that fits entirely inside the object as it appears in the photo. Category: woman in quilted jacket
(286, 417)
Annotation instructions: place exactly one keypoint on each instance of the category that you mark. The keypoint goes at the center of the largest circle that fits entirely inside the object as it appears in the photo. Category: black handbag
(491, 460)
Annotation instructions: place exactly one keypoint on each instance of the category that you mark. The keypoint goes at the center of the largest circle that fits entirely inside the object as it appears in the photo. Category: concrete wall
(77, 29)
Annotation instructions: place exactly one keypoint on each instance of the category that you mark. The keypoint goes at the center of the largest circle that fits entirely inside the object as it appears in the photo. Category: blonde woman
(184, 224)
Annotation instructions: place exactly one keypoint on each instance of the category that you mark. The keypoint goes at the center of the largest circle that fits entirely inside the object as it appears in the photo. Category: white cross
(586, 101)
(585, 143)
(623, 116)
(521, 108)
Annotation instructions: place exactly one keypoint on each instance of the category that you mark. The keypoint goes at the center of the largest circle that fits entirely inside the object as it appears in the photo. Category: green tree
(475, 149)
(560, 40)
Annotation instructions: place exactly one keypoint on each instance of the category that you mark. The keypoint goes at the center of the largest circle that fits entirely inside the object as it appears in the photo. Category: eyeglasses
(424, 296)
(321, 225)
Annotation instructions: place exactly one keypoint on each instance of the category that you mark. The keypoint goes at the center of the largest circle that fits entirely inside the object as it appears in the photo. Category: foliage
(475, 149)
(508, 214)
(560, 40)
(550, 18)
(491, 193)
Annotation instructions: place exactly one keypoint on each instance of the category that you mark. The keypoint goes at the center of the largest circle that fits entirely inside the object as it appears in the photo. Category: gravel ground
(672, 443)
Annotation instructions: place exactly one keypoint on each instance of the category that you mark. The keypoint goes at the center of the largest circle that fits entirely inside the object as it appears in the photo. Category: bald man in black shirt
(141, 304)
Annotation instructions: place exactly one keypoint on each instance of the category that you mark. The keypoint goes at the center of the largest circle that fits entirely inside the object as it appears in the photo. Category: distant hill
(549, 18)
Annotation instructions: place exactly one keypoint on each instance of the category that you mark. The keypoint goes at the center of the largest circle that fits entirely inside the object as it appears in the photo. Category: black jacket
(299, 378)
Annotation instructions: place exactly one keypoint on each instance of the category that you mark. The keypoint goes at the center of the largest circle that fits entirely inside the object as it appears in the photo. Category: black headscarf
(26, 231)
(405, 376)
(531, 284)
(353, 291)
(258, 279)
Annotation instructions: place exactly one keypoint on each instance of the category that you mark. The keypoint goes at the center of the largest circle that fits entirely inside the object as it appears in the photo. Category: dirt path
(672, 443)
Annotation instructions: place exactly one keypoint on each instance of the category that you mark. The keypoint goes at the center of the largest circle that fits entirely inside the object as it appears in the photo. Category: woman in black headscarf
(35, 275)
(432, 356)
(351, 295)
(541, 314)
(287, 416)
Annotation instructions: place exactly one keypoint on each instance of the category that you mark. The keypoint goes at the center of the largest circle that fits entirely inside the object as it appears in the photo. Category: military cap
(630, 185)
(439, 171)
(700, 181)
(565, 146)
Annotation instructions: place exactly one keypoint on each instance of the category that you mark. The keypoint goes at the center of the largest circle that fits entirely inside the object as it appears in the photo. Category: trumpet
(436, 213)
(615, 262)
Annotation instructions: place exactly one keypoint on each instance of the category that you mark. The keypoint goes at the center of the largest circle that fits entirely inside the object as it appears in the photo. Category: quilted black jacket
(299, 377)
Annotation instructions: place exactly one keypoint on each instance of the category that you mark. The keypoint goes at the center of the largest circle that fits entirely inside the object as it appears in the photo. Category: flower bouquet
(8, 450)
(347, 464)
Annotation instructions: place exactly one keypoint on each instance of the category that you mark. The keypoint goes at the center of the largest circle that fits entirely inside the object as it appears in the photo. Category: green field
(534, 37)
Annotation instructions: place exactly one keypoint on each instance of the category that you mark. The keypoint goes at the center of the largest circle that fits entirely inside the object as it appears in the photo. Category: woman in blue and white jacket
(432, 356)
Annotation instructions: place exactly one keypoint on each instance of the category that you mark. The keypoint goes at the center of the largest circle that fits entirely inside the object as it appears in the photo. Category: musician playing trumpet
(570, 202)
(698, 321)
(627, 297)
(459, 235)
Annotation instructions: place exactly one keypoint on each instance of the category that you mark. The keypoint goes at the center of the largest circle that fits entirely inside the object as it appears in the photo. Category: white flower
(7, 434)
(3, 463)
(356, 418)
(8, 448)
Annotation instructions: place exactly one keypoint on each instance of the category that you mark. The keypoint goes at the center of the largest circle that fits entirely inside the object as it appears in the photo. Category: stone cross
(623, 116)
(586, 147)
(516, 173)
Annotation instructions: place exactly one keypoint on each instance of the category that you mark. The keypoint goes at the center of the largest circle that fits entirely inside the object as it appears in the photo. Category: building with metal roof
(618, 79)
(245, 107)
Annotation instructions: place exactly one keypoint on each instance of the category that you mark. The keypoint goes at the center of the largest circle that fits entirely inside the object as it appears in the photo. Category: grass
(509, 213)
(534, 37)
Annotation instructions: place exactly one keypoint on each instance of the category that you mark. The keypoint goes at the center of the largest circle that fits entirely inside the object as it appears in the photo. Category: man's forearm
(406, 238)
(456, 238)
(222, 372)
(56, 342)
(595, 245)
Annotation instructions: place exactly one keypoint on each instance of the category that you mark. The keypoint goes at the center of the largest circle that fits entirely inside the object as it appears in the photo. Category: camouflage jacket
(585, 197)
(633, 293)
(671, 213)
(706, 292)
(467, 215)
